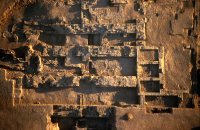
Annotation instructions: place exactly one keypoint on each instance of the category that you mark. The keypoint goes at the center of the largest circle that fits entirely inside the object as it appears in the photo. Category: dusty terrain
(99, 64)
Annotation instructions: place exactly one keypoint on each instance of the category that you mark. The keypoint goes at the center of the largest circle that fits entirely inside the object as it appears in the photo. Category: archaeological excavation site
(99, 64)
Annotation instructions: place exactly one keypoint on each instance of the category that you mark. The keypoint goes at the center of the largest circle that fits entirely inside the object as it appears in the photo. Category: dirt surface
(99, 64)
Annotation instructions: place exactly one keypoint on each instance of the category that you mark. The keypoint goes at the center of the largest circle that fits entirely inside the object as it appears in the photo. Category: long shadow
(194, 73)
(35, 10)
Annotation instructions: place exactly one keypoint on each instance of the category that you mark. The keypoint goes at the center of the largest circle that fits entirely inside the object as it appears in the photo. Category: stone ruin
(93, 64)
